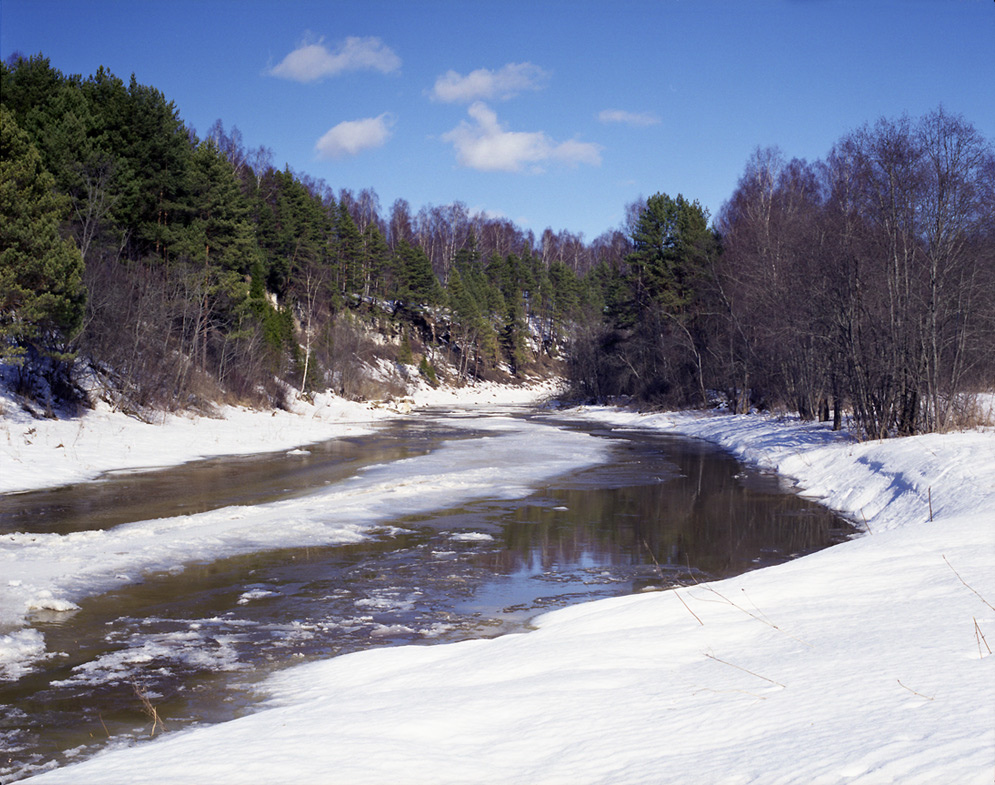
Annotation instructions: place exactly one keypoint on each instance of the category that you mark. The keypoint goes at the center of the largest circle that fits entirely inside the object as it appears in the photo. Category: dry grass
(745, 670)
(979, 636)
(970, 411)
(968, 585)
(148, 709)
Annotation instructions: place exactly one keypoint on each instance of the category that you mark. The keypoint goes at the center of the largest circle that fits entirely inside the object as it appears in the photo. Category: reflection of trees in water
(705, 518)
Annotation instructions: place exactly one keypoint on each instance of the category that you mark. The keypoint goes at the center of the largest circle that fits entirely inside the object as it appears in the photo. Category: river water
(192, 647)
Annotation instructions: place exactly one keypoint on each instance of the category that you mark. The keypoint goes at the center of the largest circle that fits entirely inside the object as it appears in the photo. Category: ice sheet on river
(504, 462)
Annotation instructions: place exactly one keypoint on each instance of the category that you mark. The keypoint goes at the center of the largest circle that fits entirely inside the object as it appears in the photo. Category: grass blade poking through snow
(968, 585)
(739, 667)
(659, 570)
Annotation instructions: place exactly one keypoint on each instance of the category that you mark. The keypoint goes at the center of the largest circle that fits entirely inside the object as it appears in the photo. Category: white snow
(254, 594)
(18, 650)
(44, 601)
(190, 648)
(49, 571)
(471, 537)
(867, 662)
(44, 453)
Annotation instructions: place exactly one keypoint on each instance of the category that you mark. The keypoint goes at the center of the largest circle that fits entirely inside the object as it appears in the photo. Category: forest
(178, 271)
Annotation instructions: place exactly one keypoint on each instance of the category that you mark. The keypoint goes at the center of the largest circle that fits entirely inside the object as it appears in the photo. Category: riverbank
(50, 571)
(868, 662)
(42, 453)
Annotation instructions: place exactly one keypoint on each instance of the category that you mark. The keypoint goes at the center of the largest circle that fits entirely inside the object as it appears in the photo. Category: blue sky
(549, 113)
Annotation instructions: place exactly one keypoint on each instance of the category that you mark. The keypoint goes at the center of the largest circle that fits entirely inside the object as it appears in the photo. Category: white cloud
(485, 145)
(310, 62)
(640, 119)
(510, 80)
(575, 152)
(353, 136)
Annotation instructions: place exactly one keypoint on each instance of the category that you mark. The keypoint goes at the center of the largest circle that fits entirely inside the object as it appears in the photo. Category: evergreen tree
(513, 335)
(565, 291)
(376, 262)
(467, 320)
(157, 152)
(506, 276)
(217, 230)
(416, 284)
(349, 246)
(217, 241)
(30, 88)
(670, 240)
(41, 292)
(292, 228)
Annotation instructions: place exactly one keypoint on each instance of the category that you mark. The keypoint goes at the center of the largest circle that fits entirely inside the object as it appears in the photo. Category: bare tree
(610, 248)
(366, 211)
(400, 228)
(955, 212)
(92, 200)
(230, 145)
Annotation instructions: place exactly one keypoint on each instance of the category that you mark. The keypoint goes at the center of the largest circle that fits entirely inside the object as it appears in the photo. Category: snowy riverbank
(44, 453)
(47, 572)
(868, 662)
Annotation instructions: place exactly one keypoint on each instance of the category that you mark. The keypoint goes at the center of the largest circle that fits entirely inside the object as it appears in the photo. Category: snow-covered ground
(43, 453)
(868, 662)
(53, 572)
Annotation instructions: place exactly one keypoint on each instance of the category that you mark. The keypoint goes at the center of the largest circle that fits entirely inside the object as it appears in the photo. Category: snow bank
(45, 453)
(878, 484)
(863, 663)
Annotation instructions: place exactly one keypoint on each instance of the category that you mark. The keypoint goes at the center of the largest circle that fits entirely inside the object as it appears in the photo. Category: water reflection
(667, 501)
(666, 510)
(663, 510)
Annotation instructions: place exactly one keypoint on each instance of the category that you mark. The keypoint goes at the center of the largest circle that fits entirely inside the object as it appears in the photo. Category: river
(192, 646)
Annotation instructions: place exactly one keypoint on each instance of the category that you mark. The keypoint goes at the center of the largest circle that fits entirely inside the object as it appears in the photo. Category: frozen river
(195, 583)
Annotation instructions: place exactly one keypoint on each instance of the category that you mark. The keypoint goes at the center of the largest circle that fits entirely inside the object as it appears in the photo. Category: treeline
(864, 283)
(187, 267)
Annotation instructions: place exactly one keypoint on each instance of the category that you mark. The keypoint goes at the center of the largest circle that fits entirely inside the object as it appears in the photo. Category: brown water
(195, 645)
(124, 497)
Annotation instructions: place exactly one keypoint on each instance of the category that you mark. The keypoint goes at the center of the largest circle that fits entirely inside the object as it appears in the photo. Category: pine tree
(670, 241)
(217, 241)
(42, 297)
(376, 261)
(417, 284)
(350, 251)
